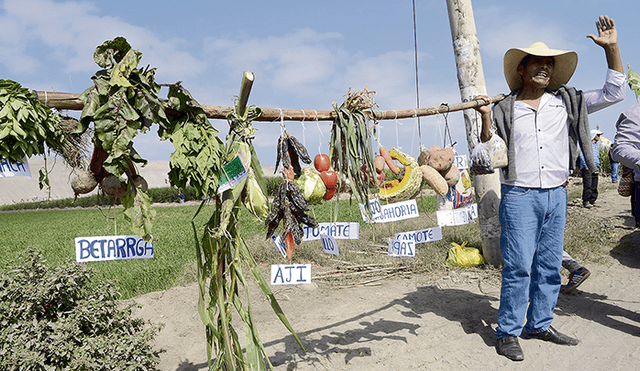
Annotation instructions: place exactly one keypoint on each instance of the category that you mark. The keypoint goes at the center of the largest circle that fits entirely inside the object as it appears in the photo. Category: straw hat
(565, 64)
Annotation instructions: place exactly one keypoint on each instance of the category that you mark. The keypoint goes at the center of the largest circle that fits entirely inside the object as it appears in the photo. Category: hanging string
(397, 135)
(303, 129)
(282, 126)
(447, 132)
(415, 55)
(320, 131)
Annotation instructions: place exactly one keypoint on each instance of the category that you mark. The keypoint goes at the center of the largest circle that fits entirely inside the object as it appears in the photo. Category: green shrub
(55, 318)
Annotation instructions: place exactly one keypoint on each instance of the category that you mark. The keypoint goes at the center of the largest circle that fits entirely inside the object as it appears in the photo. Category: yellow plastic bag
(461, 256)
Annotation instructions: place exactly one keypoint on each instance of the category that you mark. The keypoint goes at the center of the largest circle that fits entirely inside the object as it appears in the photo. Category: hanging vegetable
(290, 204)
(350, 147)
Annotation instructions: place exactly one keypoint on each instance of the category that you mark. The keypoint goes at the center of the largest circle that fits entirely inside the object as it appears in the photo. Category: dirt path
(424, 323)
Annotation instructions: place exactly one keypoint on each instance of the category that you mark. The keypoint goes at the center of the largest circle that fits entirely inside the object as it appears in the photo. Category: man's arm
(485, 114)
(608, 39)
(626, 146)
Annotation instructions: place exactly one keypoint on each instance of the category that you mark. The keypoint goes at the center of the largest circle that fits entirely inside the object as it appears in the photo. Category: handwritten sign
(329, 245)
(10, 168)
(391, 212)
(460, 216)
(461, 161)
(103, 248)
(280, 246)
(421, 236)
(294, 274)
(232, 174)
(401, 247)
(339, 231)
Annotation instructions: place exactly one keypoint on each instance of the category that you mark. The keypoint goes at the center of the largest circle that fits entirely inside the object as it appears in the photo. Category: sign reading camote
(391, 212)
(102, 248)
(290, 274)
(339, 231)
(424, 235)
(10, 168)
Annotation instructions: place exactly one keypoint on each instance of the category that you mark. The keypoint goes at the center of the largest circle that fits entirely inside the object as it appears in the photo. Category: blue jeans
(615, 169)
(531, 241)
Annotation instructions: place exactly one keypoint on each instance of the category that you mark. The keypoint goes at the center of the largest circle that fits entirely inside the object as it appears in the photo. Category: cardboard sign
(280, 245)
(461, 161)
(232, 174)
(401, 248)
(459, 216)
(391, 212)
(421, 236)
(294, 274)
(329, 245)
(11, 169)
(103, 248)
(339, 231)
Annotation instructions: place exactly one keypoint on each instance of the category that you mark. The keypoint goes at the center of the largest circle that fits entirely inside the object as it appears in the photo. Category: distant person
(626, 150)
(577, 273)
(590, 178)
(181, 195)
(615, 167)
(542, 122)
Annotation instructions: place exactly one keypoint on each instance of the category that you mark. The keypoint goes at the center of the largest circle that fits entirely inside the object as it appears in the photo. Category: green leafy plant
(26, 126)
(55, 318)
(634, 82)
(221, 256)
(350, 150)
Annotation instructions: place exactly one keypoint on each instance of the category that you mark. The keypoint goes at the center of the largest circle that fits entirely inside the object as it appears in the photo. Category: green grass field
(54, 231)
(174, 263)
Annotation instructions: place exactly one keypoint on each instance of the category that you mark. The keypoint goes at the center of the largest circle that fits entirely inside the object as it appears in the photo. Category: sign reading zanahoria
(103, 248)
(390, 212)
(10, 168)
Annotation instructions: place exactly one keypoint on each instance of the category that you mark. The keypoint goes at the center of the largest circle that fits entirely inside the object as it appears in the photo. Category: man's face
(537, 73)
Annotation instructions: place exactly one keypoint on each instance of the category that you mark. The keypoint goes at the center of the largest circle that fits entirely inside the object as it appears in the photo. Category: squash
(410, 184)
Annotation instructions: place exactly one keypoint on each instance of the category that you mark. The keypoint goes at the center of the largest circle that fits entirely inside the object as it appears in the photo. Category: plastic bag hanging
(481, 160)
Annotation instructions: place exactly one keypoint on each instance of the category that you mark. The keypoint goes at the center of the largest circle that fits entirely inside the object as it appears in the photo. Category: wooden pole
(471, 82)
(245, 89)
(70, 101)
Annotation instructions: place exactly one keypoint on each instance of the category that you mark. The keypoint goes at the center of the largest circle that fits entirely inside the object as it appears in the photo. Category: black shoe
(509, 347)
(553, 336)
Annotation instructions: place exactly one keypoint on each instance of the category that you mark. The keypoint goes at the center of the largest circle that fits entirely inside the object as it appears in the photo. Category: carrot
(379, 162)
(384, 152)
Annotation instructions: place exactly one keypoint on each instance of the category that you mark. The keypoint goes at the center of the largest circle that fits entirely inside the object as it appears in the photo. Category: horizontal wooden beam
(70, 101)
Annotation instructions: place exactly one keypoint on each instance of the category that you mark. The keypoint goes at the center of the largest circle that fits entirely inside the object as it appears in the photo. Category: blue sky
(306, 55)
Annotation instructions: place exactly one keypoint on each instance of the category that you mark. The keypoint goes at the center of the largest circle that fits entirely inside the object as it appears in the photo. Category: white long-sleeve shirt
(541, 137)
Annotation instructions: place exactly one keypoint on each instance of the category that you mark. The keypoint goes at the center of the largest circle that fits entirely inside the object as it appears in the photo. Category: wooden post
(471, 84)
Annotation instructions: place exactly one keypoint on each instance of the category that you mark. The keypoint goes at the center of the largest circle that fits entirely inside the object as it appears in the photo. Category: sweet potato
(384, 152)
(442, 159)
(451, 176)
(434, 179)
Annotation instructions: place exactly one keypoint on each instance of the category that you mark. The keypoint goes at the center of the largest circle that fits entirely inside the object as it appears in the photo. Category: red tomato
(329, 194)
(321, 162)
(329, 178)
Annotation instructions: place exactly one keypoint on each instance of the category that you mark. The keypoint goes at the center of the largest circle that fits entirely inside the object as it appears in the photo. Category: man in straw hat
(542, 122)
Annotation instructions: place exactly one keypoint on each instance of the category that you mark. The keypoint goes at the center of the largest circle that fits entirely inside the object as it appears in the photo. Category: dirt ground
(422, 322)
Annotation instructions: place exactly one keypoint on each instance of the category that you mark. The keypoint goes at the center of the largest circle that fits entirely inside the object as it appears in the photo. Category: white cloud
(67, 33)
